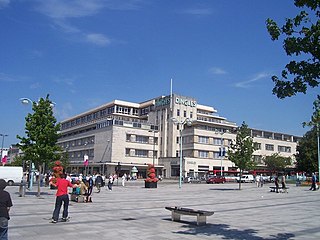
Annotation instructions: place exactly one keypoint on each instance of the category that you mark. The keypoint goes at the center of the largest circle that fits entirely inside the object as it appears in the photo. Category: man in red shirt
(62, 196)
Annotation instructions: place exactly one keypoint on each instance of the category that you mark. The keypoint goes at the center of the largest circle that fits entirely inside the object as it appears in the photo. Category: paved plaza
(134, 212)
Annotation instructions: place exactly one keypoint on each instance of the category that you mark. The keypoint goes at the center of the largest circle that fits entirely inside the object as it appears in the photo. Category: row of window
(104, 113)
(141, 139)
(138, 153)
(270, 147)
(79, 142)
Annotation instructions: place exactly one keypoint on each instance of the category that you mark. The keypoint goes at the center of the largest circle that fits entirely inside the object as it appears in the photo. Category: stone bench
(280, 189)
(176, 213)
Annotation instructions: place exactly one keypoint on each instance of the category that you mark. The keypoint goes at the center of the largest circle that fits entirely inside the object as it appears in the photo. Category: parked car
(192, 180)
(247, 178)
(216, 179)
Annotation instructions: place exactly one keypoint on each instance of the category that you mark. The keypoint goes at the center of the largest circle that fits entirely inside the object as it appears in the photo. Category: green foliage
(240, 152)
(315, 118)
(307, 152)
(41, 130)
(276, 163)
(302, 41)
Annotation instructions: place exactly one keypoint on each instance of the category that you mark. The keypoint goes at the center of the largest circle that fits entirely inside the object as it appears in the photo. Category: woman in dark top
(5, 204)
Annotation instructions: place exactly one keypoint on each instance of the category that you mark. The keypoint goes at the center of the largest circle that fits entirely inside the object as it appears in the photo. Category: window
(191, 115)
(216, 155)
(257, 146)
(217, 141)
(128, 138)
(203, 139)
(269, 147)
(142, 139)
(185, 113)
(127, 152)
(284, 149)
(141, 153)
(203, 154)
(178, 140)
(178, 112)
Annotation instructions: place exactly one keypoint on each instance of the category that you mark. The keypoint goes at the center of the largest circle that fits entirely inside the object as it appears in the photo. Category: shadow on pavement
(226, 232)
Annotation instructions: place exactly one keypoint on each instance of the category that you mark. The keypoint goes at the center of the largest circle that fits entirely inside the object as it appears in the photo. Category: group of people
(283, 184)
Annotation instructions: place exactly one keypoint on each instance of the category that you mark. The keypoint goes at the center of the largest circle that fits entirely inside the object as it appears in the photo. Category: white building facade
(122, 136)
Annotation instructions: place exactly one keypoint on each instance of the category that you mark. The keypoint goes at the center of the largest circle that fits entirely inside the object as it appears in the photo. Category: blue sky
(88, 52)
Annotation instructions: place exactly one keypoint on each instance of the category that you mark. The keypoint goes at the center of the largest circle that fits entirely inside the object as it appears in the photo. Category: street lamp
(154, 145)
(181, 124)
(26, 101)
(222, 150)
(3, 136)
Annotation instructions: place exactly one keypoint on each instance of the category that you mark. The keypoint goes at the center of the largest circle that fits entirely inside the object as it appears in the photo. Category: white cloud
(11, 78)
(64, 80)
(35, 85)
(60, 9)
(63, 112)
(123, 5)
(217, 71)
(4, 3)
(247, 83)
(198, 11)
(98, 39)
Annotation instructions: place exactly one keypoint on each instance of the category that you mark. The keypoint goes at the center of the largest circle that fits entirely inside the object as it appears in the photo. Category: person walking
(98, 182)
(123, 179)
(276, 182)
(110, 182)
(90, 188)
(5, 205)
(313, 182)
(62, 196)
(283, 184)
(261, 180)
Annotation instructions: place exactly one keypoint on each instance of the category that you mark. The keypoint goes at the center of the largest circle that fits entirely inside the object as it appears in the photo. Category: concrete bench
(176, 213)
(77, 198)
(280, 189)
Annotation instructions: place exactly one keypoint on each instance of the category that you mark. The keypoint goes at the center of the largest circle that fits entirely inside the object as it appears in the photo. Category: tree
(240, 152)
(276, 163)
(302, 41)
(41, 130)
(307, 152)
(315, 123)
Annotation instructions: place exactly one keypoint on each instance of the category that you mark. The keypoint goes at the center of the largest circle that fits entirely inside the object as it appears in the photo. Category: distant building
(121, 136)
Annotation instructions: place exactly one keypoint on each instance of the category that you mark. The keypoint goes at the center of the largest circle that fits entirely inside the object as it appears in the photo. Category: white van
(246, 178)
(12, 175)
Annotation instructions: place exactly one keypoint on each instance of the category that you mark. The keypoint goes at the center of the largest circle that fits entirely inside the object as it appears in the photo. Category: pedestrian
(313, 182)
(5, 205)
(124, 176)
(90, 188)
(276, 182)
(62, 196)
(98, 182)
(110, 182)
(283, 184)
(261, 180)
(258, 180)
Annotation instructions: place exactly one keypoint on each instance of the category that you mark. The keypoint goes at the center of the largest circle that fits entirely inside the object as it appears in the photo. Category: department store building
(124, 137)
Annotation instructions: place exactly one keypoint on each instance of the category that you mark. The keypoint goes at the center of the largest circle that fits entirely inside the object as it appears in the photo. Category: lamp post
(222, 151)
(27, 101)
(181, 124)
(318, 141)
(154, 145)
(3, 136)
